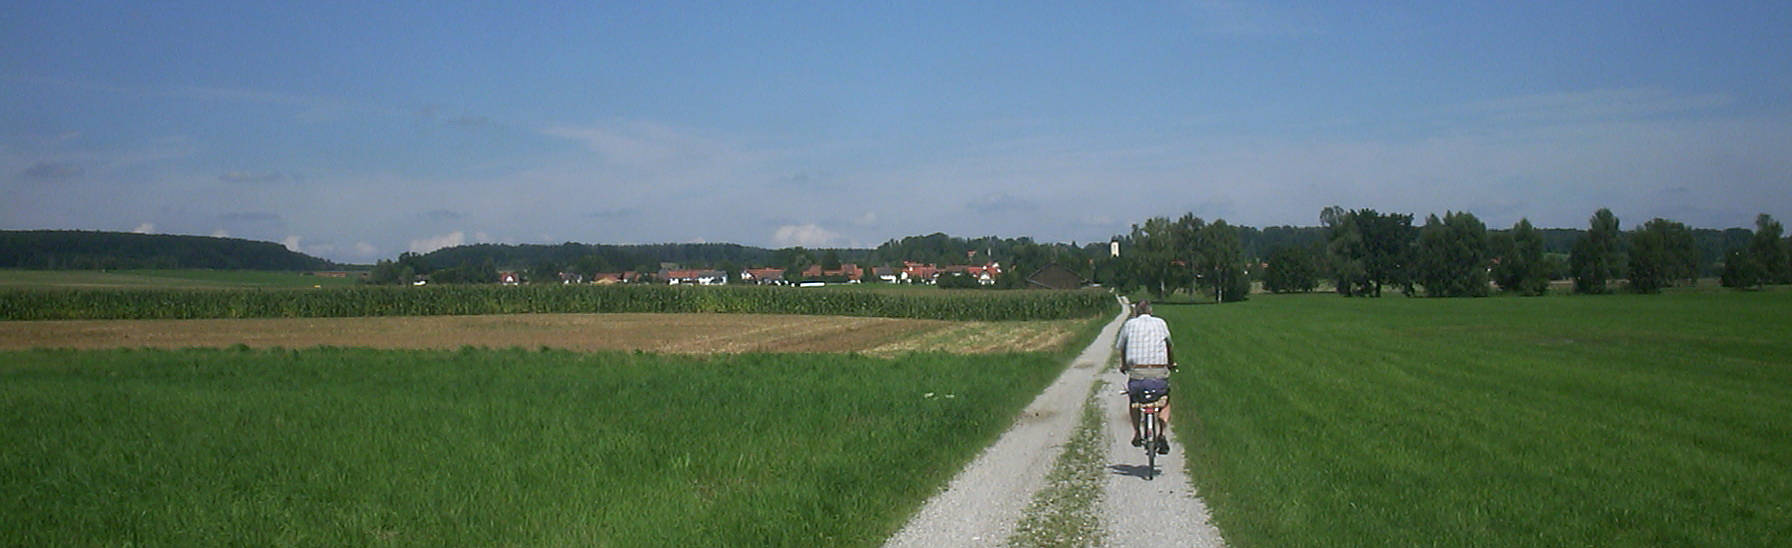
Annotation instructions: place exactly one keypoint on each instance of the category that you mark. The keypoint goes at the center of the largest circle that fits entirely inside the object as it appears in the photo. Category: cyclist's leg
(1133, 413)
(1137, 438)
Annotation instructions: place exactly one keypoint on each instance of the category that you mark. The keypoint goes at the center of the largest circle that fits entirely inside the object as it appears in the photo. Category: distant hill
(90, 250)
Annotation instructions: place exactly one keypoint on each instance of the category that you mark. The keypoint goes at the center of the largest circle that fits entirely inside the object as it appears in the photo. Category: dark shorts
(1147, 390)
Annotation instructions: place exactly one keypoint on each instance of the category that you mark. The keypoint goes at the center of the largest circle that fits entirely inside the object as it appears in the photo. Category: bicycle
(1149, 403)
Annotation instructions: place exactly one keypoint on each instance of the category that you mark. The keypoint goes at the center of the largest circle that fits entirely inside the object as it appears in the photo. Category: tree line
(1360, 252)
(1455, 255)
(95, 250)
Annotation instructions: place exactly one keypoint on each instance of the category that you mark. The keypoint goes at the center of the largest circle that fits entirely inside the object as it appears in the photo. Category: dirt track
(679, 333)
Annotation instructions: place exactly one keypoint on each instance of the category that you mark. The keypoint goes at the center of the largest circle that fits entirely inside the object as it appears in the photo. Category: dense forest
(89, 250)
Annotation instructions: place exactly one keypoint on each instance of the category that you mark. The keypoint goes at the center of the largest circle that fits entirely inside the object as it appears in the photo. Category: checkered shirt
(1142, 341)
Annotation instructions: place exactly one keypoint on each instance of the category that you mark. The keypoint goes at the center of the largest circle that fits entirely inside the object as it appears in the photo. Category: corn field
(471, 300)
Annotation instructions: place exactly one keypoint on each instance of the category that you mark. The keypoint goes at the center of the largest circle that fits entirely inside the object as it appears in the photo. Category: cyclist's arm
(1169, 353)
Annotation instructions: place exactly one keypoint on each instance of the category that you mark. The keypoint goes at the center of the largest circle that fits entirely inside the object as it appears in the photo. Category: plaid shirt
(1142, 341)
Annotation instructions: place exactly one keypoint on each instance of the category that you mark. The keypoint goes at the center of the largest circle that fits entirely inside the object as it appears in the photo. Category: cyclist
(1145, 357)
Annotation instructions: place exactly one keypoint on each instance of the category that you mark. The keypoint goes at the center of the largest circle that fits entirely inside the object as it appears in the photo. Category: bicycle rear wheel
(1150, 445)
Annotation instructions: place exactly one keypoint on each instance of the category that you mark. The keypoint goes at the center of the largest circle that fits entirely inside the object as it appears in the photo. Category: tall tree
(1189, 248)
(1661, 251)
(1740, 270)
(1598, 255)
(1521, 267)
(1451, 260)
(1153, 256)
(1369, 249)
(1292, 268)
(1769, 251)
(1220, 258)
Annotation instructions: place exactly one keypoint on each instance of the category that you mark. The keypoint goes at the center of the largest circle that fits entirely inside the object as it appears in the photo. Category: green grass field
(1558, 421)
(170, 279)
(488, 447)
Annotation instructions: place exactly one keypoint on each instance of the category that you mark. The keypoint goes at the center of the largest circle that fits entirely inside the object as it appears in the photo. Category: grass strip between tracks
(1067, 511)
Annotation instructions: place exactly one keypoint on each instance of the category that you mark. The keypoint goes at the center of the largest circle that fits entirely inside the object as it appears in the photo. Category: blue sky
(356, 132)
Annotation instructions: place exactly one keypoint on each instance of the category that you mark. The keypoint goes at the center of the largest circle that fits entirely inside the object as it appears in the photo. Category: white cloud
(809, 235)
(365, 249)
(642, 144)
(292, 242)
(220, 233)
(868, 219)
(433, 243)
(145, 228)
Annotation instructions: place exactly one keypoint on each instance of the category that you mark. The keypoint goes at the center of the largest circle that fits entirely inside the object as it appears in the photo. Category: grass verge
(1610, 421)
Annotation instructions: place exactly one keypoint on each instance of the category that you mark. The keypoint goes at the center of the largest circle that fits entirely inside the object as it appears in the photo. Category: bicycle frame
(1151, 428)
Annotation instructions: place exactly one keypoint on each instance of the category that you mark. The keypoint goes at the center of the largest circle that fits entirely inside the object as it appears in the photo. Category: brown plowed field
(676, 333)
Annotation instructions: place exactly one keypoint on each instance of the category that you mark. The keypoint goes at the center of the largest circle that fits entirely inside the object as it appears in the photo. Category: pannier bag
(1147, 390)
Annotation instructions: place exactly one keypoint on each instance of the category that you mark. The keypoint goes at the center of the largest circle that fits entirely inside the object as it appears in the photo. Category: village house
(693, 277)
(850, 271)
(609, 278)
(763, 276)
(917, 273)
(985, 275)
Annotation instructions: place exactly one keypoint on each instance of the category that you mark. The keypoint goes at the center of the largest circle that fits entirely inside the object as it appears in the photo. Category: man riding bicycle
(1145, 357)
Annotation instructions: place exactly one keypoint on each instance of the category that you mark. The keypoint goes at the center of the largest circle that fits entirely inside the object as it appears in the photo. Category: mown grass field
(332, 446)
(1561, 421)
(168, 279)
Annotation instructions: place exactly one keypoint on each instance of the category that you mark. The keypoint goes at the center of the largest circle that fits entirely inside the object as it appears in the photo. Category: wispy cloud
(805, 235)
(250, 217)
(649, 144)
(432, 243)
(1001, 203)
(1604, 104)
(616, 213)
(444, 215)
(52, 171)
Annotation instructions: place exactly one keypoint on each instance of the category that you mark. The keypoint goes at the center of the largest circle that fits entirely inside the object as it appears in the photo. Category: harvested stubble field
(672, 333)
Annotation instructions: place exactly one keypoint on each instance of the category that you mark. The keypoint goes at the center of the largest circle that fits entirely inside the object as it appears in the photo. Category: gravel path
(1163, 511)
(984, 503)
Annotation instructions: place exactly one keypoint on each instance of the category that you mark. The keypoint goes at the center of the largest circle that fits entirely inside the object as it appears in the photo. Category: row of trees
(1189, 254)
(1457, 256)
(1362, 252)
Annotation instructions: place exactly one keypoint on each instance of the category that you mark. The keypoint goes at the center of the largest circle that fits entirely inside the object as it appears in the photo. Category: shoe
(1138, 441)
(1163, 446)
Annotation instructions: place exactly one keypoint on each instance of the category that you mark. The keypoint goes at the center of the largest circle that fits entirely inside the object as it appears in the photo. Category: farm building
(849, 271)
(1055, 276)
